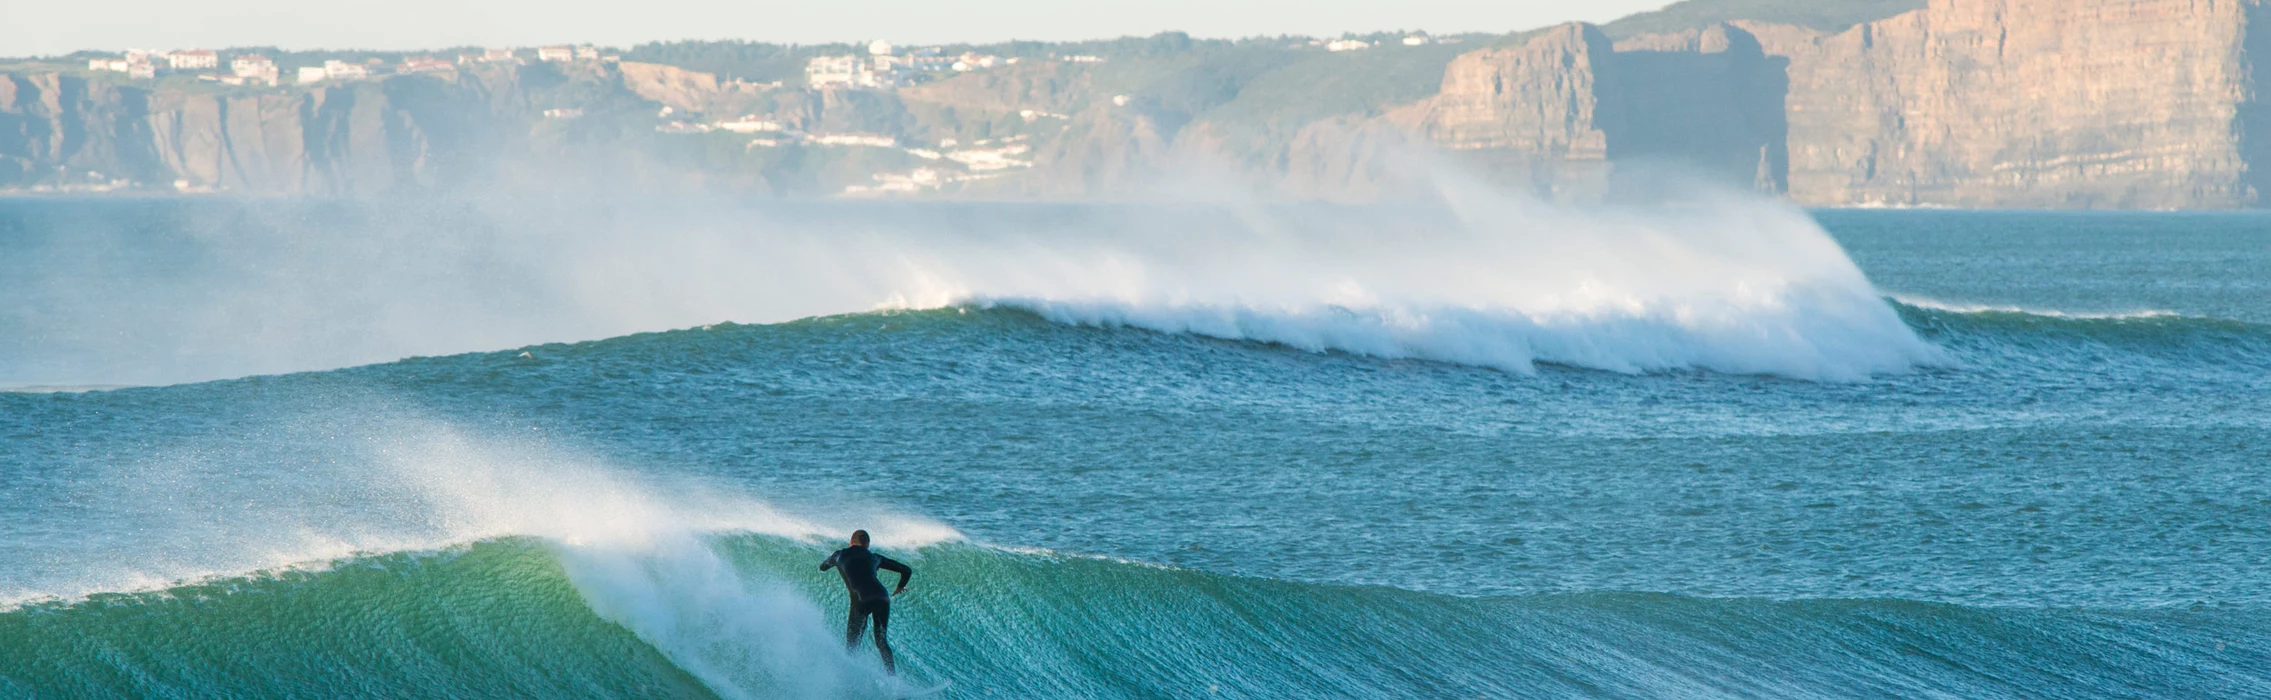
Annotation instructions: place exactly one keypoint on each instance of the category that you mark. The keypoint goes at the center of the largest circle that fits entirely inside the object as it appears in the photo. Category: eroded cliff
(2034, 103)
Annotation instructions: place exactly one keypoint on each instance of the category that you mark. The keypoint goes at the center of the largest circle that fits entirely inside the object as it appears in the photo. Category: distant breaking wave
(1731, 286)
(1802, 339)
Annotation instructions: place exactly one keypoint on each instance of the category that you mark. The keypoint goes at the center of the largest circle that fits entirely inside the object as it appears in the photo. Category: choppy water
(1545, 454)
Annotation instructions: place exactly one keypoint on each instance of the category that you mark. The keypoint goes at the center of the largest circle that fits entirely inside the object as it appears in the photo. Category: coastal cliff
(2035, 103)
(1973, 103)
(350, 139)
(1560, 112)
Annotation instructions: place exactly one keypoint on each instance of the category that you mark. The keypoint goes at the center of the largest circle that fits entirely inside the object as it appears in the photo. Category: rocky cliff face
(1532, 114)
(58, 127)
(351, 139)
(2003, 103)
(1562, 112)
(1969, 103)
(2034, 103)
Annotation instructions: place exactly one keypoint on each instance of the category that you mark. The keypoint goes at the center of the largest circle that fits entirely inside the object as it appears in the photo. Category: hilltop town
(773, 114)
(254, 68)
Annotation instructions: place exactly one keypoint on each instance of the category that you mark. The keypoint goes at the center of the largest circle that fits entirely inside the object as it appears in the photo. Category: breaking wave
(1731, 284)
(522, 617)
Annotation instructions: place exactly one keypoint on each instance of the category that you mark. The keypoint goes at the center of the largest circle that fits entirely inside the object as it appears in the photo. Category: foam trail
(1967, 308)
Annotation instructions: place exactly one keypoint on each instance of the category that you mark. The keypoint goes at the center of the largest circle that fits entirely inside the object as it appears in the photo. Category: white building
(1347, 45)
(974, 61)
(195, 59)
(556, 53)
(1416, 40)
(253, 68)
(498, 56)
(109, 64)
(342, 70)
(587, 52)
(882, 68)
(838, 71)
(311, 74)
(426, 64)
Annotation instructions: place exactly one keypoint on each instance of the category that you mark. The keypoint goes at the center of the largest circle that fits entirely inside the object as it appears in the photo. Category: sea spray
(1723, 283)
(1472, 275)
(638, 550)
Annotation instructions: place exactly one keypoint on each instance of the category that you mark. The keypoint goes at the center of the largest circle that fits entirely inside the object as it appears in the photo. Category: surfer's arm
(905, 573)
(828, 563)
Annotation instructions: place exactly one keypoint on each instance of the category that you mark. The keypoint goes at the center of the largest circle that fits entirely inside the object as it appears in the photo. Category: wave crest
(504, 617)
(1730, 285)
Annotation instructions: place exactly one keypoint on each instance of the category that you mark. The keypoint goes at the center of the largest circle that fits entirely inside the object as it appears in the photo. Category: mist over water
(156, 292)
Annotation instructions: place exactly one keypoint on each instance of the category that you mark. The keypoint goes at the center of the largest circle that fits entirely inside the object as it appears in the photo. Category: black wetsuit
(858, 567)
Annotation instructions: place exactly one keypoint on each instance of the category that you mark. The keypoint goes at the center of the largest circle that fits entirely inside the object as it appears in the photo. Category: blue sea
(1484, 447)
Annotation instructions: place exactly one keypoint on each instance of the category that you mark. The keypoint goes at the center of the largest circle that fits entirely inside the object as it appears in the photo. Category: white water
(1726, 285)
(1724, 282)
(639, 550)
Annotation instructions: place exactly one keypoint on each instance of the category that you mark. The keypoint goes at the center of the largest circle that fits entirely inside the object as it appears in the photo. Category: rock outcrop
(2034, 103)
(1533, 112)
(1561, 112)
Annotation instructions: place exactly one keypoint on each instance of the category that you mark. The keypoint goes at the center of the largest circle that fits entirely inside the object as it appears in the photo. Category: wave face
(502, 618)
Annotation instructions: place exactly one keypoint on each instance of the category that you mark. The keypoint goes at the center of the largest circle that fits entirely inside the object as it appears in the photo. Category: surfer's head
(859, 538)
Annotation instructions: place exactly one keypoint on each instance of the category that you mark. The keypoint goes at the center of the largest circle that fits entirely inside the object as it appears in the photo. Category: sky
(48, 27)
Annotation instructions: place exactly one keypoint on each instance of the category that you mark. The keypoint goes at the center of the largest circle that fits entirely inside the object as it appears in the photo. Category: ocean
(1488, 448)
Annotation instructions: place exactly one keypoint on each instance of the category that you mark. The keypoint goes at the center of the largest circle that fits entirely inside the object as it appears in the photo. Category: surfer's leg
(883, 627)
(854, 626)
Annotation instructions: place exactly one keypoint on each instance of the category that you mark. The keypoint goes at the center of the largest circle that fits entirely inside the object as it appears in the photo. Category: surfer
(858, 567)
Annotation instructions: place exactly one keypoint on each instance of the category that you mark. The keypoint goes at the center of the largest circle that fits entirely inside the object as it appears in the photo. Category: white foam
(1969, 308)
(1728, 284)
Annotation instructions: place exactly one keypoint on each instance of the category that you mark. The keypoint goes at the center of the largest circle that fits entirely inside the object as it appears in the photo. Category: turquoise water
(1993, 455)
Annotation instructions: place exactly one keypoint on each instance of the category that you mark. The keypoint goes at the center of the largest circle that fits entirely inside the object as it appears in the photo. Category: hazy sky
(40, 27)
